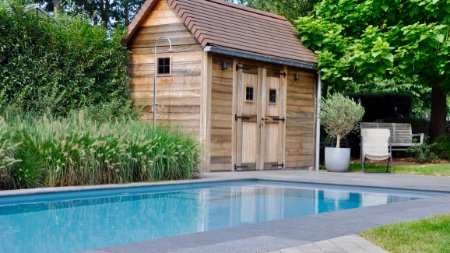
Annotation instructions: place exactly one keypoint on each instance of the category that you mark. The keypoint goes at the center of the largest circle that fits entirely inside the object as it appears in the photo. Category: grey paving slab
(328, 246)
(365, 245)
(310, 248)
(345, 244)
(248, 245)
(289, 250)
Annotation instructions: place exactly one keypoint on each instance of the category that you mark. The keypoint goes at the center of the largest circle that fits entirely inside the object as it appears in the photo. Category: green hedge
(58, 66)
(42, 151)
(382, 105)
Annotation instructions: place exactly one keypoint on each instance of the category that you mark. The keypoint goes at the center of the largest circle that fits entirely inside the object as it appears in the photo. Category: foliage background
(55, 66)
(290, 9)
(371, 41)
(100, 12)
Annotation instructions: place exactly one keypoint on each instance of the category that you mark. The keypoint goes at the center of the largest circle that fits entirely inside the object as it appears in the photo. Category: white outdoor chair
(376, 145)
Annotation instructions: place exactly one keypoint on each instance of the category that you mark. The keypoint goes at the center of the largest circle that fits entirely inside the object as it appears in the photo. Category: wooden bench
(401, 134)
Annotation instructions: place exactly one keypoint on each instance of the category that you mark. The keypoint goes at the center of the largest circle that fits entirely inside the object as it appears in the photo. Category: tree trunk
(438, 112)
(57, 6)
(127, 13)
(338, 141)
(105, 14)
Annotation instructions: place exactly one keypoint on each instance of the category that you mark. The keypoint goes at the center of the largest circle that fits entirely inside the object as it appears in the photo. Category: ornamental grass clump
(77, 150)
(339, 116)
(7, 147)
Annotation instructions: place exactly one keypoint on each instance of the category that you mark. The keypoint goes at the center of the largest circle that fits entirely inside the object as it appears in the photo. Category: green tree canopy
(101, 12)
(370, 40)
(290, 9)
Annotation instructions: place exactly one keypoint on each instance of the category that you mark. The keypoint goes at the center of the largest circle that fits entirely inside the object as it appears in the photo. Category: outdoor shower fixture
(154, 78)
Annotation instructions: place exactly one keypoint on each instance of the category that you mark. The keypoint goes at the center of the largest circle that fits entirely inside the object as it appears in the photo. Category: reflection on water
(76, 225)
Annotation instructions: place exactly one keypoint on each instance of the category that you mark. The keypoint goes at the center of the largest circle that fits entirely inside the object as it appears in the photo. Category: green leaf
(389, 57)
(318, 43)
(391, 16)
(382, 69)
(388, 63)
(440, 37)
(432, 43)
(385, 7)
(446, 8)
(375, 54)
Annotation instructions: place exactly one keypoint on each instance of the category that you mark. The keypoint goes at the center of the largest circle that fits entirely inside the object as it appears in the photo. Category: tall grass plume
(80, 150)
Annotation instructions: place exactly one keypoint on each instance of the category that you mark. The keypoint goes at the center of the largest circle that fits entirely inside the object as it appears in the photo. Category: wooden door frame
(238, 95)
(239, 108)
(282, 90)
(283, 102)
(262, 97)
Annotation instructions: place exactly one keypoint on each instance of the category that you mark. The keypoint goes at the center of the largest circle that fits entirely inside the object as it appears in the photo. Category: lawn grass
(430, 235)
(425, 169)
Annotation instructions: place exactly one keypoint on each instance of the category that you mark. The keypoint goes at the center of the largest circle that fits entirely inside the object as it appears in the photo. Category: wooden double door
(260, 118)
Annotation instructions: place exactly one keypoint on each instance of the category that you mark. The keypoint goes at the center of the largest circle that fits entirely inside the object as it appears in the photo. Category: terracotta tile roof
(235, 27)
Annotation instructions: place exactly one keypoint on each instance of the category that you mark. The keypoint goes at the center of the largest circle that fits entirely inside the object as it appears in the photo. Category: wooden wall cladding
(178, 94)
(300, 119)
(221, 114)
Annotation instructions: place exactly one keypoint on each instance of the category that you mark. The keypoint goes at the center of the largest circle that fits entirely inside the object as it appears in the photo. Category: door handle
(262, 122)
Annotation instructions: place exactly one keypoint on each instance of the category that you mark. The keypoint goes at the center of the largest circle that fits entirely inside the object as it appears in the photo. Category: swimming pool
(76, 221)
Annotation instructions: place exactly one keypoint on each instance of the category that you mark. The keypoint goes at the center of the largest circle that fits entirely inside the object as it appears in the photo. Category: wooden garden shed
(238, 77)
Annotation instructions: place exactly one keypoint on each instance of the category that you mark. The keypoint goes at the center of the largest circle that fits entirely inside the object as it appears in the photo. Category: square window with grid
(163, 66)
(249, 94)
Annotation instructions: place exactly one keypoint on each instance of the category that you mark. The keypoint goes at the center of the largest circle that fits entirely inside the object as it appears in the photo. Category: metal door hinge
(241, 117)
(240, 166)
(240, 66)
(278, 165)
(280, 119)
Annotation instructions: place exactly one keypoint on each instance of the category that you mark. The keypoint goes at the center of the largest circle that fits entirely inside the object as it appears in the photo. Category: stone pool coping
(287, 233)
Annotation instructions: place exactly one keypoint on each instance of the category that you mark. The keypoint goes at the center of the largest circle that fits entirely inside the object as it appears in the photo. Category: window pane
(273, 96)
(163, 66)
(249, 94)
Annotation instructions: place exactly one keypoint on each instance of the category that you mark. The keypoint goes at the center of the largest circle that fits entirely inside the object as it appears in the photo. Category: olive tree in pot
(339, 115)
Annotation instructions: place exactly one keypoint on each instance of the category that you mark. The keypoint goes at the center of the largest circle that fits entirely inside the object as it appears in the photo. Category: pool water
(83, 220)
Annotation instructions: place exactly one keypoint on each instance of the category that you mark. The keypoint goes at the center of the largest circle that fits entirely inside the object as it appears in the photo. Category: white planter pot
(337, 159)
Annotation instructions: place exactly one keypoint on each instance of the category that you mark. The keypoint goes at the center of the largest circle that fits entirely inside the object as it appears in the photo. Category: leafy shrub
(422, 153)
(56, 67)
(77, 150)
(441, 146)
(114, 109)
